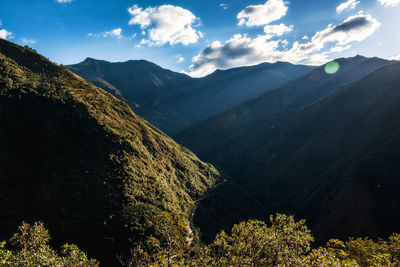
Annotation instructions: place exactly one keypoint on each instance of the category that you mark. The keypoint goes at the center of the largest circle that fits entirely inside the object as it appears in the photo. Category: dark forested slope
(329, 157)
(78, 159)
(173, 101)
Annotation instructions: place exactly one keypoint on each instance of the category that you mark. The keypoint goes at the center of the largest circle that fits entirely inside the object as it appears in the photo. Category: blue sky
(200, 36)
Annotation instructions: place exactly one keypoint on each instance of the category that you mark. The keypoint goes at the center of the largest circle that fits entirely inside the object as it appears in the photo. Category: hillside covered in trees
(78, 159)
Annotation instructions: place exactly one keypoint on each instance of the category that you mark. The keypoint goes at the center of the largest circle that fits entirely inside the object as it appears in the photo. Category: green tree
(254, 243)
(33, 250)
(168, 246)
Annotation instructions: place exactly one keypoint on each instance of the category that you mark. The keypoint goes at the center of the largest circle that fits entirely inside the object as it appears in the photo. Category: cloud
(389, 3)
(354, 29)
(28, 41)
(64, 1)
(180, 59)
(4, 34)
(166, 24)
(395, 58)
(258, 15)
(277, 29)
(242, 50)
(224, 6)
(116, 33)
(337, 49)
(350, 4)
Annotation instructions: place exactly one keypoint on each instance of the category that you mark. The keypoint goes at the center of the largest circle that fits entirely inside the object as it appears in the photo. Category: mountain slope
(80, 160)
(337, 160)
(333, 161)
(173, 101)
(136, 79)
(231, 127)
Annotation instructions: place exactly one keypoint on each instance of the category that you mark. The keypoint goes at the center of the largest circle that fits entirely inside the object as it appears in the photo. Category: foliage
(280, 242)
(5, 255)
(81, 159)
(32, 250)
(168, 243)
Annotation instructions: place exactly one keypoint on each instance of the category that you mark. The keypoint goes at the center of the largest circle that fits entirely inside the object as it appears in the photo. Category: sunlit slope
(80, 160)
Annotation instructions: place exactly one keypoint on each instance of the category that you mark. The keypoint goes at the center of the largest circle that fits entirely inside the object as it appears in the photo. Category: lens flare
(332, 67)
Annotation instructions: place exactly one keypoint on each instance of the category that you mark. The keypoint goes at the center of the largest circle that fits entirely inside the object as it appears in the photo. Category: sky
(197, 37)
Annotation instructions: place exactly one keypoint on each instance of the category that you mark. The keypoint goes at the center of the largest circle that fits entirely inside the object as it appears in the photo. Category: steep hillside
(333, 161)
(173, 101)
(78, 159)
(228, 128)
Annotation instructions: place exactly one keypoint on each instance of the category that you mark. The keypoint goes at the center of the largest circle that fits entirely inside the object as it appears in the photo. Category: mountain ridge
(184, 101)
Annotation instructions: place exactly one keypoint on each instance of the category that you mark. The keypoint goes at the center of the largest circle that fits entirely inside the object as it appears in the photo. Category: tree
(33, 250)
(254, 243)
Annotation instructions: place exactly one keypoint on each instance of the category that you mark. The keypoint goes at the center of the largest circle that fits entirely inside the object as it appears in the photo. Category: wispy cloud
(224, 6)
(166, 24)
(116, 33)
(28, 41)
(64, 1)
(350, 4)
(180, 59)
(389, 3)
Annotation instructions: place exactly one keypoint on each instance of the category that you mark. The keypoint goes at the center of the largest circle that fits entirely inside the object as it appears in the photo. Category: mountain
(136, 79)
(173, 101)
(325, 152)
(208, 138)
(79, 159)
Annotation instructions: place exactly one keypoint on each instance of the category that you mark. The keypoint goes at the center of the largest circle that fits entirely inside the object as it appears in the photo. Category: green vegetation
(324, 148)
(280, 242)
(32, 249)
(80, 160)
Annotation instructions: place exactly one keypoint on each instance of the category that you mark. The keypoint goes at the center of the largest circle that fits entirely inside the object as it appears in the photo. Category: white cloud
(395, 58)
(257, 15)
(4, 34)
(28, 41)
(285, 43)
(64, 1)
(180, 59)
(242, 50)
(277, 29)
(354, 29)
(305, 37)
(116, 33)
(350, 4)
(224, 6)
(389, 3)
(166, 24)
(337, 49)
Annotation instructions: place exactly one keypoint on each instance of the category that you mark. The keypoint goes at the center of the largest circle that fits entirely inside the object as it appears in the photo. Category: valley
(291, 139)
